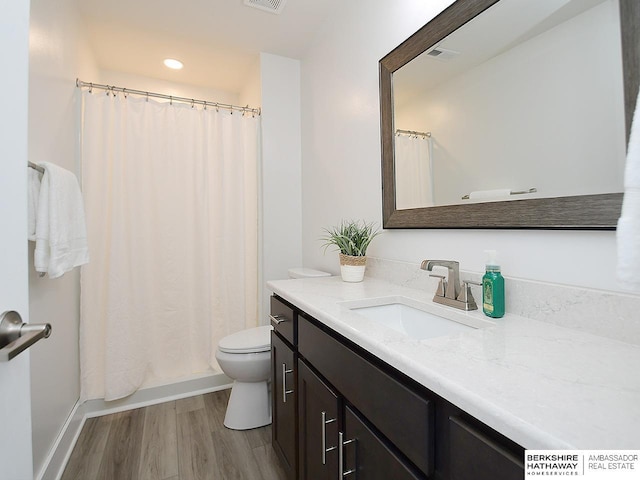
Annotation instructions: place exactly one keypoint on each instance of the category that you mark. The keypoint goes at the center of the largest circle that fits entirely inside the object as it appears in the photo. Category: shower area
(415, 186)
(186, 204)
(171, 198)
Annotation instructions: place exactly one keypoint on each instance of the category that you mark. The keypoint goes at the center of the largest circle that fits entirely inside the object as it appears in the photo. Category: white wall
(281, 169)
(568, 128)
(250, 93)
(57, 54)
(341, 161)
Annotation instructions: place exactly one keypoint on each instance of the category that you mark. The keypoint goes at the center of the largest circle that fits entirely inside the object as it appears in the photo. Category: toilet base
(249, 406)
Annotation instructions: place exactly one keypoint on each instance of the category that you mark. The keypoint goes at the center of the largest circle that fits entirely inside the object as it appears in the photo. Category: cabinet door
(476, 456)
(365, 456)
(318, 427)
(284, 404)
(398, 412)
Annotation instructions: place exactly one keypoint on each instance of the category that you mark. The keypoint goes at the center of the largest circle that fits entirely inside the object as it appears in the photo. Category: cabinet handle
(341, 443)
(278, 319)
(285, 392)
(325, 422)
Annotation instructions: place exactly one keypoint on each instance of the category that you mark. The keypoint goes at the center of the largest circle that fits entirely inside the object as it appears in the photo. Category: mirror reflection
(524, 101)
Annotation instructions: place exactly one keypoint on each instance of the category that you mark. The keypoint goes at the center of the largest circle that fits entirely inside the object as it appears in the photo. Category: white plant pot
(352, 273)
(352, 268)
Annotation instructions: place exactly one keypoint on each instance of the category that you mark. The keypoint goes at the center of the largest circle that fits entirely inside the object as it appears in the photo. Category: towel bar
(36, 167)
(16, 336)
(521, 192)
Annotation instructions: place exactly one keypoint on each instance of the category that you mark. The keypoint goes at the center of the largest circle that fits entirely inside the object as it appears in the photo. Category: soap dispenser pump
(492, 288)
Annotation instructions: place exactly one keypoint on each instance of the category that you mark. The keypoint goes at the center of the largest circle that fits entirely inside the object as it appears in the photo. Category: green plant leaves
(351, 237)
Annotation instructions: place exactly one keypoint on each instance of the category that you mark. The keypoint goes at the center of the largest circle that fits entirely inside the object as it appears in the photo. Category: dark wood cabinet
(355, 415)
(475, 455)
(284, 439)
(318, 427)
(283, 320)
(325, 449)
(401, 415)
(367, 456)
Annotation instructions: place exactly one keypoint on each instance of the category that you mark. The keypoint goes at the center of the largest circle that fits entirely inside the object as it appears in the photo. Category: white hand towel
(33, 195)
(628, 233)
(61, 232)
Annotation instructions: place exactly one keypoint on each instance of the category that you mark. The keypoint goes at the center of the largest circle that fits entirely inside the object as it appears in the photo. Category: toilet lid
(252, 340)
(301, 272)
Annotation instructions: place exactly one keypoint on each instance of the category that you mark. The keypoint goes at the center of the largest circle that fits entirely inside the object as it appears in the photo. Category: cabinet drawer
(475, 456)
(283, 320)
(397, 412)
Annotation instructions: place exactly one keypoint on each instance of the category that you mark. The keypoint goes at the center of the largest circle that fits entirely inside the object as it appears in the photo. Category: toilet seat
(252, 340)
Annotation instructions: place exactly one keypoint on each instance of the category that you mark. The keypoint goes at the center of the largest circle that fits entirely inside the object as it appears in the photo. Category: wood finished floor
(179, 440)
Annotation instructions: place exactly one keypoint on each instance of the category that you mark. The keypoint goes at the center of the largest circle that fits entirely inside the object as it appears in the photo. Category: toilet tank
(301, 272)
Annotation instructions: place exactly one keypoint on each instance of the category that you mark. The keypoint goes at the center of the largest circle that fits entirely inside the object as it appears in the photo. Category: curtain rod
(413, 132)
(171, 98)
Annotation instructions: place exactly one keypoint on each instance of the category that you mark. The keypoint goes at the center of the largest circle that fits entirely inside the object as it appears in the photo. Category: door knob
(16, 336)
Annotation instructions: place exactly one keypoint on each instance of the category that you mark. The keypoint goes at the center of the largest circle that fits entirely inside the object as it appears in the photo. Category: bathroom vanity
(339, 411)
(355, 399)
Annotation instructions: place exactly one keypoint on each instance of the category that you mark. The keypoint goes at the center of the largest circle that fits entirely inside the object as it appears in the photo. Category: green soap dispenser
(492, 288)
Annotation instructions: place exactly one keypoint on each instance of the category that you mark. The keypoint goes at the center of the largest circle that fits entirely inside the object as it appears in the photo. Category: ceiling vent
(271, 6)
(442, 53)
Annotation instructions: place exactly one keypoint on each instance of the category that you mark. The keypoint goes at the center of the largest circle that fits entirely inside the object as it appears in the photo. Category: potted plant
(352, 239)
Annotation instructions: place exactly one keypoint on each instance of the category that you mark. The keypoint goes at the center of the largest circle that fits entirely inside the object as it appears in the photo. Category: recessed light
(172, 63)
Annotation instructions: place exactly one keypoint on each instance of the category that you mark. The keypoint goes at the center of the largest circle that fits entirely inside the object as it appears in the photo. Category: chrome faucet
(449, 291)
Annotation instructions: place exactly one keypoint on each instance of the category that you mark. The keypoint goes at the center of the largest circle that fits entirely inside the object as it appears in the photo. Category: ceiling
(500, 28)
(217, 40)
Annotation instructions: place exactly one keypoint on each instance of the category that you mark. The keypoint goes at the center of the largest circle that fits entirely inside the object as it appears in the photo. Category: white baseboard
(61, 452)
(63, 446)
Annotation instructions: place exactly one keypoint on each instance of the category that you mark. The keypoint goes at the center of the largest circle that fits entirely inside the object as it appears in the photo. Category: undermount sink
(412, 317)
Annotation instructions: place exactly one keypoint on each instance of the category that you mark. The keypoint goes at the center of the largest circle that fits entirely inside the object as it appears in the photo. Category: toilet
(245, 357)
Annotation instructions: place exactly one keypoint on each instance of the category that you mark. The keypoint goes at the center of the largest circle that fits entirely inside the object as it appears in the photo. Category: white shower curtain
(171, 206)
(413, 171)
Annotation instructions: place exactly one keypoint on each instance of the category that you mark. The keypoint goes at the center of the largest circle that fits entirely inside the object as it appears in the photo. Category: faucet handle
(466, 296)
(442, 284)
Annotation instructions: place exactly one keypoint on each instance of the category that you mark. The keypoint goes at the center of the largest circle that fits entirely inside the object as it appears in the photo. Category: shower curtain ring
(193, 103)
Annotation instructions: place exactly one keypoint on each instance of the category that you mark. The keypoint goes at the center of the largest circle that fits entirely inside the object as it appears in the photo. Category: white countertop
(543, 386)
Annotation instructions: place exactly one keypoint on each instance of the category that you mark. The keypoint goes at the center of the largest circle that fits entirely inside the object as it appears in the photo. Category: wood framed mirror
(542, 206)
